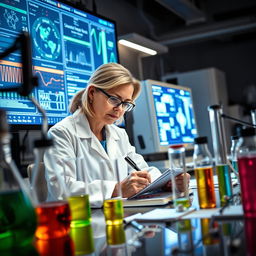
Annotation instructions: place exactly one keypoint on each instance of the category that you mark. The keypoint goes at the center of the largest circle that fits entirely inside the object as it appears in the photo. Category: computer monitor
(163, 116)
(68, 44)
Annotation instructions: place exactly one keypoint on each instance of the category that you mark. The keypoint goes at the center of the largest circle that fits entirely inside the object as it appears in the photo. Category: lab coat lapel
(112, 142)
(96, 145)
(83, 131)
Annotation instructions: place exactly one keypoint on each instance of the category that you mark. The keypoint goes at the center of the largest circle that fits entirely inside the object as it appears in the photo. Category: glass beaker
(113, 207)
(63, 246)
(83, 239)
(176, 155)
(17, 215)
(79, 201)
(247, 170)
(54, 214)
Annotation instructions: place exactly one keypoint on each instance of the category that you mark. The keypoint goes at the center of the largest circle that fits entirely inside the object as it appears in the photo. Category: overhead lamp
(137, 47)
(142, 44)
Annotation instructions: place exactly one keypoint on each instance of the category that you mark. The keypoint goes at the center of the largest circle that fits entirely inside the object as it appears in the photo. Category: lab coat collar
(83, 131)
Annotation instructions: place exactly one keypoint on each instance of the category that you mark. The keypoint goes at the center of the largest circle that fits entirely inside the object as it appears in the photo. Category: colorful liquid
(235, 165)
(113, 211)
(205, 187)
(184, 226)
(226, 229)
(247, 174)
(80, 210)
(53, 220)
(62, 246)
(225, 185)
(250, 227)
(83, 239)
(207, 238)
(115, 234)
(17, 220)
(184, 201)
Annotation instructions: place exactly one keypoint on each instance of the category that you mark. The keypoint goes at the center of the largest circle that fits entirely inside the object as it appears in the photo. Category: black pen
(131, 163)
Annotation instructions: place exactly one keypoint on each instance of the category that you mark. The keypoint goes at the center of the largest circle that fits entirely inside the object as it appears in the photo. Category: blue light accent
(68, 44)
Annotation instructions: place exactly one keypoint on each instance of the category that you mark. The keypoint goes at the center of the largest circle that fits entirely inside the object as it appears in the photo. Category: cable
(238, 120)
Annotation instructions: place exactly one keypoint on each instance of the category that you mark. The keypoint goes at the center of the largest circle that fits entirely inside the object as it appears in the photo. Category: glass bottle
(203, 167)
(253, 115)
(220, 153)
(176, 155)
(17, 215)
(246, 157)
(233, 151)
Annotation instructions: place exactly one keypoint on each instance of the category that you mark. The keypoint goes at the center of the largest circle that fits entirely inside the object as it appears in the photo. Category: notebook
(156, 199)
(158, 183)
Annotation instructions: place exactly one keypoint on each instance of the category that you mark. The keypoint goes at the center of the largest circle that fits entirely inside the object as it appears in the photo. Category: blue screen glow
(68, 44)
(174, 114)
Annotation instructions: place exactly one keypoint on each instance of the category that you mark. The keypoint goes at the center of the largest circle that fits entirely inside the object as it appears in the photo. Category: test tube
(220, 153)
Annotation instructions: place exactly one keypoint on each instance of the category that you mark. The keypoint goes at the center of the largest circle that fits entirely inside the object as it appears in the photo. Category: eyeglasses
(126, 105)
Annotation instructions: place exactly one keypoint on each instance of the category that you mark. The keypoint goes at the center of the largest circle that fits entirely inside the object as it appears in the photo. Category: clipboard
(158, 183)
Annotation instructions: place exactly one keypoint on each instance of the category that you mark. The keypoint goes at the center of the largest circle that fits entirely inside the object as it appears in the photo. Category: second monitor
(164, 116)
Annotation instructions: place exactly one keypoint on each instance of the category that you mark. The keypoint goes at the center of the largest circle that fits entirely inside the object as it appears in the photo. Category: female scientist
(91, 135)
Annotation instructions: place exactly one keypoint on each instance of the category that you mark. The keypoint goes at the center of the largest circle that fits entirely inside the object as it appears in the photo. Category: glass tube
(220, 153)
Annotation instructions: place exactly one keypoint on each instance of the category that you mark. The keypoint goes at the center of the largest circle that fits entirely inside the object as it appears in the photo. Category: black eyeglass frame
(129, 105)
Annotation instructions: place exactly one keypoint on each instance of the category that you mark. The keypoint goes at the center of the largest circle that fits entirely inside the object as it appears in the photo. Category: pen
(131, 163)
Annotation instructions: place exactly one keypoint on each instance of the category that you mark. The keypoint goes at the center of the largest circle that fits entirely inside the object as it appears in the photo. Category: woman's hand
(179, 180)
(134, 183)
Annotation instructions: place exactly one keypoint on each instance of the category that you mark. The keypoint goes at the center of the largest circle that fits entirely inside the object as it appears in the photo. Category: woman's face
(105, 112)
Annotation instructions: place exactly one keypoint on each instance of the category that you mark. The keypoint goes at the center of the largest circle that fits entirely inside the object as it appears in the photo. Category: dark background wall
(236, 58)
(232, 52)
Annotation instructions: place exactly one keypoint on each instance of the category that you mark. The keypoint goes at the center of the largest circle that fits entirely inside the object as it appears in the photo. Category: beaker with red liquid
(53, 214)
(247, 170)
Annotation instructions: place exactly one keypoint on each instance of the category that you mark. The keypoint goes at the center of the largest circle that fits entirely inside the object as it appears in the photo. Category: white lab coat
(77, 145)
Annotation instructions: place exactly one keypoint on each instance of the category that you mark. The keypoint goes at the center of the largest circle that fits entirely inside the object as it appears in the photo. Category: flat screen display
(68, 44)
(174, 115)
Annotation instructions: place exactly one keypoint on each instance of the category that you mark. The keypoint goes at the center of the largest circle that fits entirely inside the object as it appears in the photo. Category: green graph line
(100, 44)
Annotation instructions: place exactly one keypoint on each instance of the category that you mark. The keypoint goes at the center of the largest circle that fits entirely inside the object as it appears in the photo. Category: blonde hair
(106, 76)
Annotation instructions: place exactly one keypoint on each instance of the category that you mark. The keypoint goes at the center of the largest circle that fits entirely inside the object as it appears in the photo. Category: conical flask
(17, 215)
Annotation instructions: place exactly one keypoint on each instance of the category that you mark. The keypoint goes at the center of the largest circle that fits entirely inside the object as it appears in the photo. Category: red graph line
(51, 80)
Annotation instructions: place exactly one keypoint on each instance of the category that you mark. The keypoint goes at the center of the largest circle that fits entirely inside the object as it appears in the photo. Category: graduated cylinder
(220, 153)
(203, 167)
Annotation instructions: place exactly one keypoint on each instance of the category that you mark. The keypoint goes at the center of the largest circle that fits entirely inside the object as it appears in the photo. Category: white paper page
(163, 215)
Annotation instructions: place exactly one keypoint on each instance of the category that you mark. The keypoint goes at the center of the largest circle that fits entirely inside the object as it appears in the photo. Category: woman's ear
(91, 91)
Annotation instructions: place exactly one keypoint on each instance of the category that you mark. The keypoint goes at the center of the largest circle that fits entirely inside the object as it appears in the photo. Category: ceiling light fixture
(137, 47)
(142, 44)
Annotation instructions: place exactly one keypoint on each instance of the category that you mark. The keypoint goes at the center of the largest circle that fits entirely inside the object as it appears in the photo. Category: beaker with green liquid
(17, 215)
(113, 206)
(79, 199)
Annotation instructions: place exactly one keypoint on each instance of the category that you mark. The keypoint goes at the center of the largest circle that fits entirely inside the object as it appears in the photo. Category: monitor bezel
(149, 95)
(35, 127)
